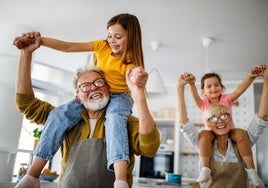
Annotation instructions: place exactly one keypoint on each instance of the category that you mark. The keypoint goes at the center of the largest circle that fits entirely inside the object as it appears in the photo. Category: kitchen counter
(142, 185)
(137, 183)
(158, 183)
(43, 185)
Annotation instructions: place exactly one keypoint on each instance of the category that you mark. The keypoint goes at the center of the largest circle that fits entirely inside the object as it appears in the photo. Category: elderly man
(83, 149)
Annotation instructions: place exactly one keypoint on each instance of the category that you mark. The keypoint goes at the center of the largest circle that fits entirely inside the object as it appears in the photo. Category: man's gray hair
(81, 71)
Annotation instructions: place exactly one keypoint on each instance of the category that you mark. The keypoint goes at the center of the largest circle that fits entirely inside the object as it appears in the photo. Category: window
(26, 141)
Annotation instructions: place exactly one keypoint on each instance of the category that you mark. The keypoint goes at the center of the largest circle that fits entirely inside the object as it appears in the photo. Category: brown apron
(227, 174)
(86, 166)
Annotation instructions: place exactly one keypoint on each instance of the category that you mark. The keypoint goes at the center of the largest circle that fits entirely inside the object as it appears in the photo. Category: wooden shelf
(189, 153)
(160, 119)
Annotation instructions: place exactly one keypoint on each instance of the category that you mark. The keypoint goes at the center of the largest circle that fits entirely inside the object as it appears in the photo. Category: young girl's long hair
(133, 53)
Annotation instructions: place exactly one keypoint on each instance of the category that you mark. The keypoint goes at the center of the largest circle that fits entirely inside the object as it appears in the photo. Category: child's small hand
(23, 41)
(137, 76)
(26, 39)
(257, 70)
(188, 78)
(185, 78)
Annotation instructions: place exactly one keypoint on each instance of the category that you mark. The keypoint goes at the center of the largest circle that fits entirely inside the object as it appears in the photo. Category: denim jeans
(60, 120)
(117, 113)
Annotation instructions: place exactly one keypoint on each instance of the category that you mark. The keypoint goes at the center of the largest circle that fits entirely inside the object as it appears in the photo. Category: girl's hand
(26, 39)
(21, 42)
(188, 78)
(257, 70)
(33, 45)
(137, 76)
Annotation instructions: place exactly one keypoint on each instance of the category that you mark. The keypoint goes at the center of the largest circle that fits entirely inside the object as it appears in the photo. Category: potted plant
(36, 134)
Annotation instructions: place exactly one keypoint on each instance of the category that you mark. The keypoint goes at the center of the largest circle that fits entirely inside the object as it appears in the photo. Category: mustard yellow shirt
(113, 67)
(140, 144)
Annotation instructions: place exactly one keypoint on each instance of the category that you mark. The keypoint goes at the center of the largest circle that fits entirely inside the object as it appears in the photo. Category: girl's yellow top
(113, 67)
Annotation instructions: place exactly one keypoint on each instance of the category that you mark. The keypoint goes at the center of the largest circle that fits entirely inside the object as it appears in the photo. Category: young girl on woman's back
(212, 90)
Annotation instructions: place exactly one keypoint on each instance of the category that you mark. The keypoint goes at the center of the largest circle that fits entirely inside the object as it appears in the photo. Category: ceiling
(239, 29)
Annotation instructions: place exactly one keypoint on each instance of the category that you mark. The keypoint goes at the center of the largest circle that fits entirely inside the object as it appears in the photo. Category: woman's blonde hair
(213, 109)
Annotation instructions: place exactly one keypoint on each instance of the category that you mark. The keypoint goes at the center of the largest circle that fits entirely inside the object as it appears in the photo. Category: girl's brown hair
(210, 75)
(130, 23)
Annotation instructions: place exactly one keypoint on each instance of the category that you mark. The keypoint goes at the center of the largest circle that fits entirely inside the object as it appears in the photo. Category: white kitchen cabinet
(167, 131)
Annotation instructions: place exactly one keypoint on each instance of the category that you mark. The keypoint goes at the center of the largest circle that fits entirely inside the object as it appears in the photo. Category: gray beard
(96, 105)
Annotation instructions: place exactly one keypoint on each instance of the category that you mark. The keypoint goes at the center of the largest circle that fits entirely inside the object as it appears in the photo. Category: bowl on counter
(173, 178)
(49, 177)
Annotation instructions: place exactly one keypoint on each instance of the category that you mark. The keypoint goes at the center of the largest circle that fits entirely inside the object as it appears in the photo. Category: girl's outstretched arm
(243, 86)
(65, 46)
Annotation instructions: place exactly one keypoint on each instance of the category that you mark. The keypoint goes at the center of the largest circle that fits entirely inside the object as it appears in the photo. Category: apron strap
(236, 152)
(78, 133)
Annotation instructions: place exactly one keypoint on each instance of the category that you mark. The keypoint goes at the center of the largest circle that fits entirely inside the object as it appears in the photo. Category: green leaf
(37, 133)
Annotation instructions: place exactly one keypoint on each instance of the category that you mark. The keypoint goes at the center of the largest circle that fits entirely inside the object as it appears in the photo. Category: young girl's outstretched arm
(242, 87)
(27, 38)
(65, 46)
(190, 79)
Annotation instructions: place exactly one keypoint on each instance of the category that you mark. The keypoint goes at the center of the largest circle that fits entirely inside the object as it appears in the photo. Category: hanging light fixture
(206, 42)
(155, 45)
(155, 84)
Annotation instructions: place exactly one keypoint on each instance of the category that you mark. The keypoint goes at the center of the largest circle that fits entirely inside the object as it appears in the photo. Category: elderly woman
(227, 167)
